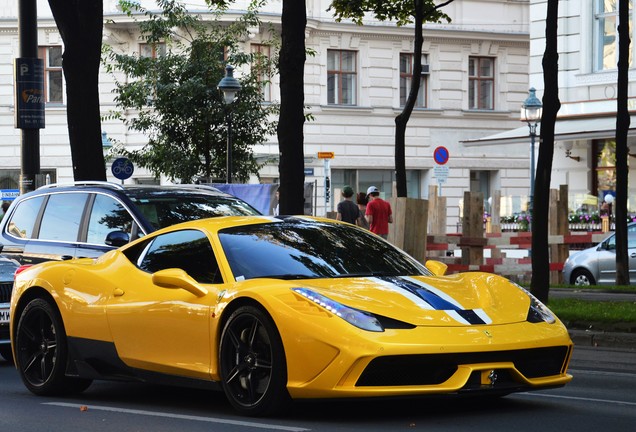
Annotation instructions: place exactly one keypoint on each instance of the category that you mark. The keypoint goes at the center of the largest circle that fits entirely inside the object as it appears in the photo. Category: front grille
(432, 369)
(5, 291)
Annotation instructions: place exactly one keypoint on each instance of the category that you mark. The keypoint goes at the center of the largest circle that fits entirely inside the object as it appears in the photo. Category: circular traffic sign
(122, 168)
(441, 155)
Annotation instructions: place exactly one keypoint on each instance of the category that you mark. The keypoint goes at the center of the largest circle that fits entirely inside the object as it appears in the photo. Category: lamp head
(229, 85)
(532, 108)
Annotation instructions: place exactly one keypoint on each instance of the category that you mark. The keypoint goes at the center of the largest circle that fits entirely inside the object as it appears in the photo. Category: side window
(23, 219)
(62, 217)
(107, 215)
(189, 250)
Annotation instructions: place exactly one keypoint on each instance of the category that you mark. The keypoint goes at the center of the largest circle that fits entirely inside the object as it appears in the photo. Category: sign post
(441, 157)
(326, 157)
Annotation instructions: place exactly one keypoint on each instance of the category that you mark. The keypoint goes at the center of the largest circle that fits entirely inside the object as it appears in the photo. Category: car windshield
(163, 210)
(295, 249)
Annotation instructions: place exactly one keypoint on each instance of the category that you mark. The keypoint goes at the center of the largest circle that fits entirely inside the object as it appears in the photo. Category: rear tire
(42, 351)
(252, 363)
(582, 277)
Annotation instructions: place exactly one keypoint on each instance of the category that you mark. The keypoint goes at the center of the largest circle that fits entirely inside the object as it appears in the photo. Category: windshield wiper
(290, 276)
(361, 274)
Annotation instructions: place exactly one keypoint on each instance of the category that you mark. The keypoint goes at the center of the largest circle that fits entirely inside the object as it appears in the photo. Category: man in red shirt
(379, 214)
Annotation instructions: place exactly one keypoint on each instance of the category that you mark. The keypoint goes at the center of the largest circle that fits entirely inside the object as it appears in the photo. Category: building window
(606, 34)
(406, 78)
(53, 77)
(481, 83)
(153, 50)
(341, 77)
(604, 164)
(261, 64)
(10, 178)
(361, 179)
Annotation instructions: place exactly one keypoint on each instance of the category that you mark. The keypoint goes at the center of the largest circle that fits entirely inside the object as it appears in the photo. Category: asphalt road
(600, 397)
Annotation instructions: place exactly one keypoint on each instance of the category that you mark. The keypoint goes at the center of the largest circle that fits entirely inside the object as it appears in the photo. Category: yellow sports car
(272, 309)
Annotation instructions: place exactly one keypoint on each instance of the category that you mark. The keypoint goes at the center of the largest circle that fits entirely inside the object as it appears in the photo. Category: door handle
(118, 292)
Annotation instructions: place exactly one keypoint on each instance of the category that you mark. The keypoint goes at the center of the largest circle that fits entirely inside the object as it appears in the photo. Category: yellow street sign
(325, 155)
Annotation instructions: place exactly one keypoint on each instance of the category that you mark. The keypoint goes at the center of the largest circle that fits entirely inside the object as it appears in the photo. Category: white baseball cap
(372, 189)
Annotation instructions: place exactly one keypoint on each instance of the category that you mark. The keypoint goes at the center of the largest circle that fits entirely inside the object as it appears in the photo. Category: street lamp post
(531, 113)
(229, 86)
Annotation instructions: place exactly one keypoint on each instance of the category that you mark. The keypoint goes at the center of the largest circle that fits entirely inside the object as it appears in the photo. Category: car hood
(455, 300)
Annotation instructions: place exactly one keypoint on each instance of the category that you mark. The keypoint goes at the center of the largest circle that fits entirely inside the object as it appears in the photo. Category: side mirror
(177, 278)
(438, 268)
(117, 238)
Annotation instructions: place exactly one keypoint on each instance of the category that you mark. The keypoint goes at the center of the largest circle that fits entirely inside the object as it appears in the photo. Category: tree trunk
(292, 105)
(402, 119)
(540, 283)
(622, 127)
(80, 23)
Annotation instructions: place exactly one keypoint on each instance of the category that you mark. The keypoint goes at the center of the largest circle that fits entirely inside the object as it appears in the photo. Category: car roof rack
(84, 183)
(203, 186)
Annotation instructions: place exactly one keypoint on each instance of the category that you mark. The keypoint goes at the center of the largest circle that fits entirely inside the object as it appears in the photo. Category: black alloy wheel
(41, 351)
(252, 363)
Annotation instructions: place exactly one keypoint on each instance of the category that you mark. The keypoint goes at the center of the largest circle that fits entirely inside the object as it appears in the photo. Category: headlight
(355, 317)
(538, 312)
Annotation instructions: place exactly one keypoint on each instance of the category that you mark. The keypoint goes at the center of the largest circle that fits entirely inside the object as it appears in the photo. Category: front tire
(42, 351)
(582, 277)
(252, 363)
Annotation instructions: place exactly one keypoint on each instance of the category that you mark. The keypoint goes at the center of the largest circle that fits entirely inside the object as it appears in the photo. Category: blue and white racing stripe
(430, 298)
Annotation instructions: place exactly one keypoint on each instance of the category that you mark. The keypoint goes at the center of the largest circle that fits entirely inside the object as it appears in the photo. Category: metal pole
(30, 138)
(533, 134)
(229, 146)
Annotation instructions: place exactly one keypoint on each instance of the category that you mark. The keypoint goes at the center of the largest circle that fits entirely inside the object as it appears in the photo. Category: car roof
(132, 189)
(221, 222)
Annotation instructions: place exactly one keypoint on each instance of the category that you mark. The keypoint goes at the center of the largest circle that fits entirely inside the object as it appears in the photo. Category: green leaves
(401, 11)
(173, 98)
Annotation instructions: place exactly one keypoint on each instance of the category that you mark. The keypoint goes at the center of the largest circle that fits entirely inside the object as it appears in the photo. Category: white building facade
(475, 81)
(585, 132)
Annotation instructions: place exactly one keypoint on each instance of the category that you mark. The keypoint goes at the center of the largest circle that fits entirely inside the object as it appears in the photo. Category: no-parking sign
(441, 156)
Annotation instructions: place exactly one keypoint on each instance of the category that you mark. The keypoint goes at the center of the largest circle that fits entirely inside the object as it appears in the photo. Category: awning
(565, 130)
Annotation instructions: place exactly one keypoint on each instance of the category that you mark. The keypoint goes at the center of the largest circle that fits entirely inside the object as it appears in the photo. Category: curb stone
(603, 339)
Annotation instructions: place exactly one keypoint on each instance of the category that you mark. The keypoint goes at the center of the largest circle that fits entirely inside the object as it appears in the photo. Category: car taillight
(21, 269)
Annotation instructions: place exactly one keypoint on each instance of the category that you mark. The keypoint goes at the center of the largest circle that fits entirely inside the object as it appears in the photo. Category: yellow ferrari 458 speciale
(272, 309)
